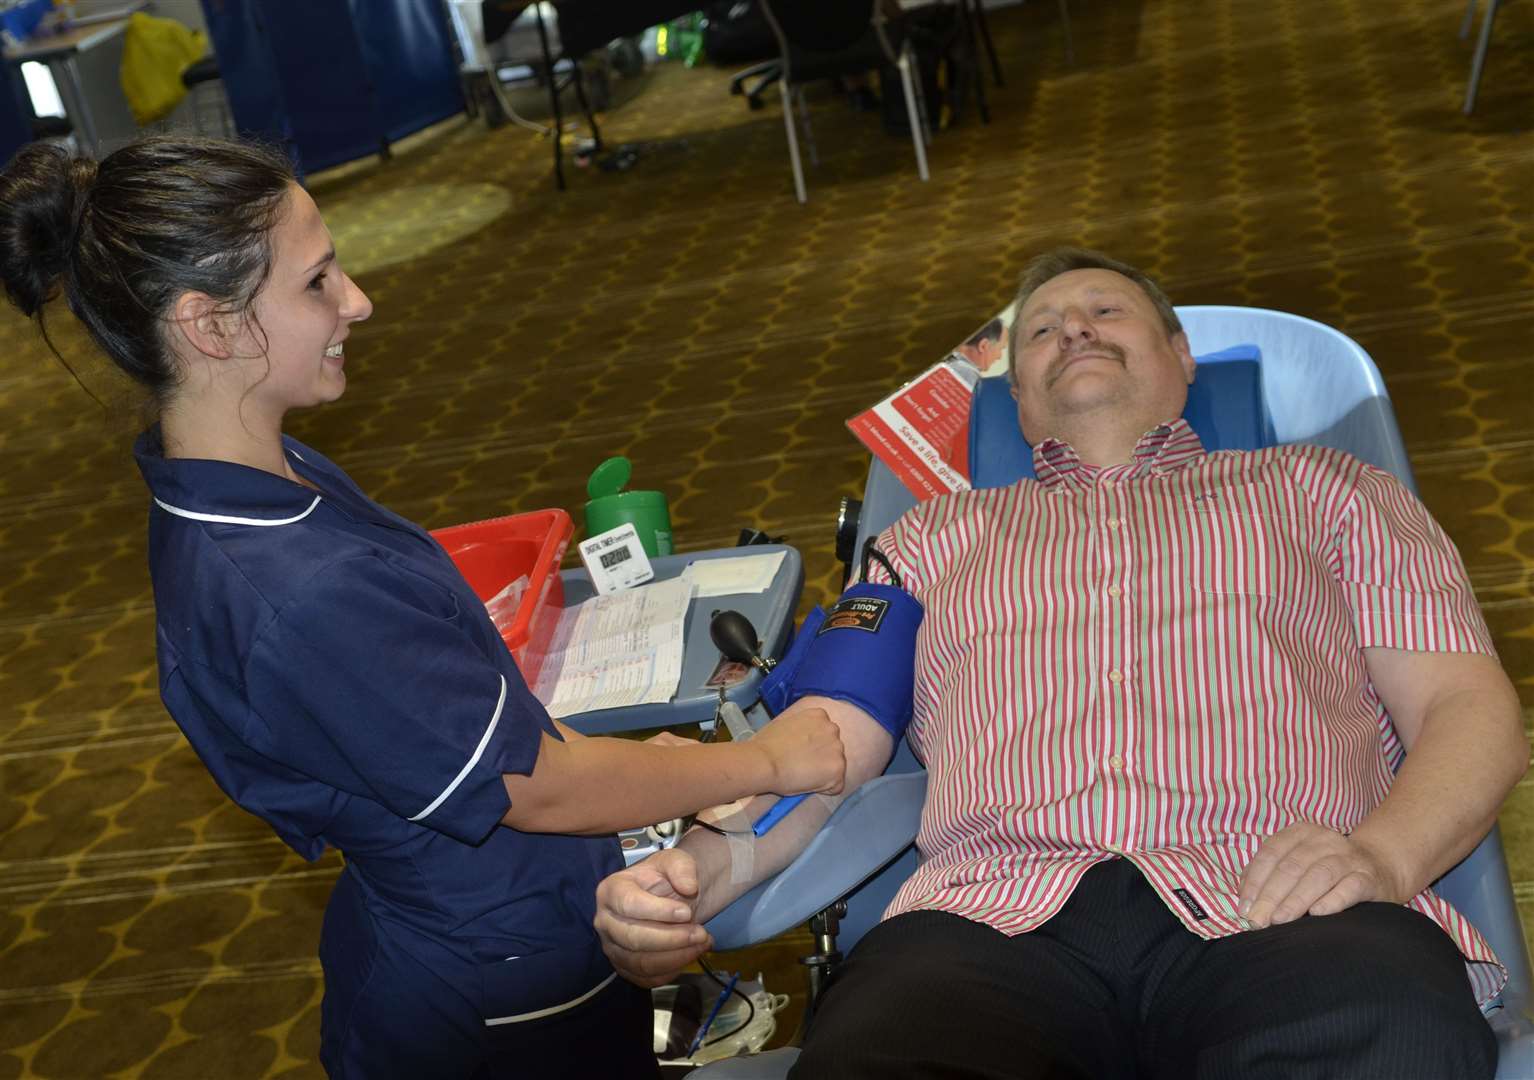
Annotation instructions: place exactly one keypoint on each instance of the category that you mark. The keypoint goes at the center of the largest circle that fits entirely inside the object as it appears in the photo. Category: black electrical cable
(870, 552)
(750, 1008)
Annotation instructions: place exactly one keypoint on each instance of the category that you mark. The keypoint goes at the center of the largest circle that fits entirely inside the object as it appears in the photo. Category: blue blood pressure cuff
(862, 651)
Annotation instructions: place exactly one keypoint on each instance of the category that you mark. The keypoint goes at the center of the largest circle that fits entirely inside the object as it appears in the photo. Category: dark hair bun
(42, 194)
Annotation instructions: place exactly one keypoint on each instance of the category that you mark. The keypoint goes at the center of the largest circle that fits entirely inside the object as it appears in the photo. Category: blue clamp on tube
(776, 813)
(713, 1014)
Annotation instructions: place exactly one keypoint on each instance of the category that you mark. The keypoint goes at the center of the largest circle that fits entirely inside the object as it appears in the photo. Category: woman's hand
(805, 750)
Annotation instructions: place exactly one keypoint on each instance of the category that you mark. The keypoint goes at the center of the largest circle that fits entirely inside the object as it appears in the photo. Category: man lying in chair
(1159, 693)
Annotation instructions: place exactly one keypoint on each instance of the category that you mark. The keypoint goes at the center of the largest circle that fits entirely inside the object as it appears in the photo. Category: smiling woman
(241, 374)
(326, 659)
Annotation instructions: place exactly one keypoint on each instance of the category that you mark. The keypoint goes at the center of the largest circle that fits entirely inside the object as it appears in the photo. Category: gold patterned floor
(1305, 155)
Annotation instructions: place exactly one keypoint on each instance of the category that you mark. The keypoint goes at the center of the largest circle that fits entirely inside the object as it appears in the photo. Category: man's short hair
(1050, 265)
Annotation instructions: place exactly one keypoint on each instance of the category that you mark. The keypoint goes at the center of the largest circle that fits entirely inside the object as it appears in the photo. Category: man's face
(1091, 348)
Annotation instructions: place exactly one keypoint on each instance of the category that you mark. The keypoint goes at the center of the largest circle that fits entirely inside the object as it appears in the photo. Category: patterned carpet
(1302, 155)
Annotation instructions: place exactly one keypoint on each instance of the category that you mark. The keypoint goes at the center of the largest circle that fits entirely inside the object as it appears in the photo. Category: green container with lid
(610, 506)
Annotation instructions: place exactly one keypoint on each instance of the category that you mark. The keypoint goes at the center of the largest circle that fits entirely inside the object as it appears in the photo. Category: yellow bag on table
(155, 53)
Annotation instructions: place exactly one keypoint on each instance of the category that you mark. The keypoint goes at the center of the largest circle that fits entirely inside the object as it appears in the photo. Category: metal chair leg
(1479, 62)
(559, 125)
(580, 95)
(809, 133)
(1468, 22)
(793, 141)
(919, 93)
(972, 46)
(978, 11)
(917, 121)
(1065, 20)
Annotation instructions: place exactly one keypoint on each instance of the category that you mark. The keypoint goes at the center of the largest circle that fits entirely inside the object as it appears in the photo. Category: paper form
(731, 576)
(621, 649)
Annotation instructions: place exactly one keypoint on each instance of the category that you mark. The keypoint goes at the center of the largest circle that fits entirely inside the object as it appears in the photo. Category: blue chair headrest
(1225, 407)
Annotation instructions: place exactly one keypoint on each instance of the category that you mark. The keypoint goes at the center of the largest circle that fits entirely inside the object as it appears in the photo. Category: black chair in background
(583, 26)
(738, 33)
(766, 73)
(820, 40)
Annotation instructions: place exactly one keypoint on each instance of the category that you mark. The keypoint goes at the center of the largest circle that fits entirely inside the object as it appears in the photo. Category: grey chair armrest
(874, 825)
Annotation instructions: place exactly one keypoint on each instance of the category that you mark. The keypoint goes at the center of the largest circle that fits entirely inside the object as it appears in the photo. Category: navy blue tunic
(340, 680)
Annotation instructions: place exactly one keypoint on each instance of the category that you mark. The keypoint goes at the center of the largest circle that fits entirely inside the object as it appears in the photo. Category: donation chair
(1311, 384)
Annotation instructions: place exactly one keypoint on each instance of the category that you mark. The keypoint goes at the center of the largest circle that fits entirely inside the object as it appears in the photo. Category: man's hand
(806, 752)
(645, 918)
(1309, 869)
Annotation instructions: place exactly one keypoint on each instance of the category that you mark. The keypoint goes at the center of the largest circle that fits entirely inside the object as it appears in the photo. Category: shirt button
(1116, 761)
(1115, 676)
(1114, 523)
(1114, 590)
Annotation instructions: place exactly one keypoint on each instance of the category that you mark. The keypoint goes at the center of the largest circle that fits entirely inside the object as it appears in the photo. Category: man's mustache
(1057, 368)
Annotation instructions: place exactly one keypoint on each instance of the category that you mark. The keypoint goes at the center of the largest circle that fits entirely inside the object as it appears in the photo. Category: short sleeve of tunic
(1402, 576)
(371, 682)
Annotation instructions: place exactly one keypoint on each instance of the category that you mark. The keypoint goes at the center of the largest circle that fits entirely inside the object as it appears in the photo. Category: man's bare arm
(650, 916)
(1460, 721)
(868, 747)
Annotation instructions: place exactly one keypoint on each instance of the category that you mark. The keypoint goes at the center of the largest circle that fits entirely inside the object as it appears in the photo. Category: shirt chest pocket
(1239, 543)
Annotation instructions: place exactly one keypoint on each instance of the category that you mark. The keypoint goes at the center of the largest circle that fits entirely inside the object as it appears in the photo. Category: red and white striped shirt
(1163, 661)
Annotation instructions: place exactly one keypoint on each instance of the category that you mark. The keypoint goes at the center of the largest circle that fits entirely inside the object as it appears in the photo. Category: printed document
(624, 648)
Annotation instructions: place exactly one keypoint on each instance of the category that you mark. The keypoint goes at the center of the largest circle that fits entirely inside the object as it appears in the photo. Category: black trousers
(1115, 987)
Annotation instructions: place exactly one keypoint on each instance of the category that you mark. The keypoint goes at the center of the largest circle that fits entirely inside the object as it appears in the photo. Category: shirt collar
(1163, 449)
(220, 491)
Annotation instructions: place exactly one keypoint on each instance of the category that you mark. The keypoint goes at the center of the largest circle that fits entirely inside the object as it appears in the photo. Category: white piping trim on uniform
(478, 750)
(225, 519)
(552, 1009)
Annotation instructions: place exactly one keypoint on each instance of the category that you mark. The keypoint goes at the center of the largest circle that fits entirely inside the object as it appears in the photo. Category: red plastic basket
(492, 554)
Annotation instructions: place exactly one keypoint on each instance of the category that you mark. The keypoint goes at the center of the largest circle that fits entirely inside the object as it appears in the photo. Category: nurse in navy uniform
(324, 657)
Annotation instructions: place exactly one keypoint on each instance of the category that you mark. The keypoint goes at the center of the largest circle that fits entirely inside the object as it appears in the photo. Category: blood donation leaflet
(921, 431)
